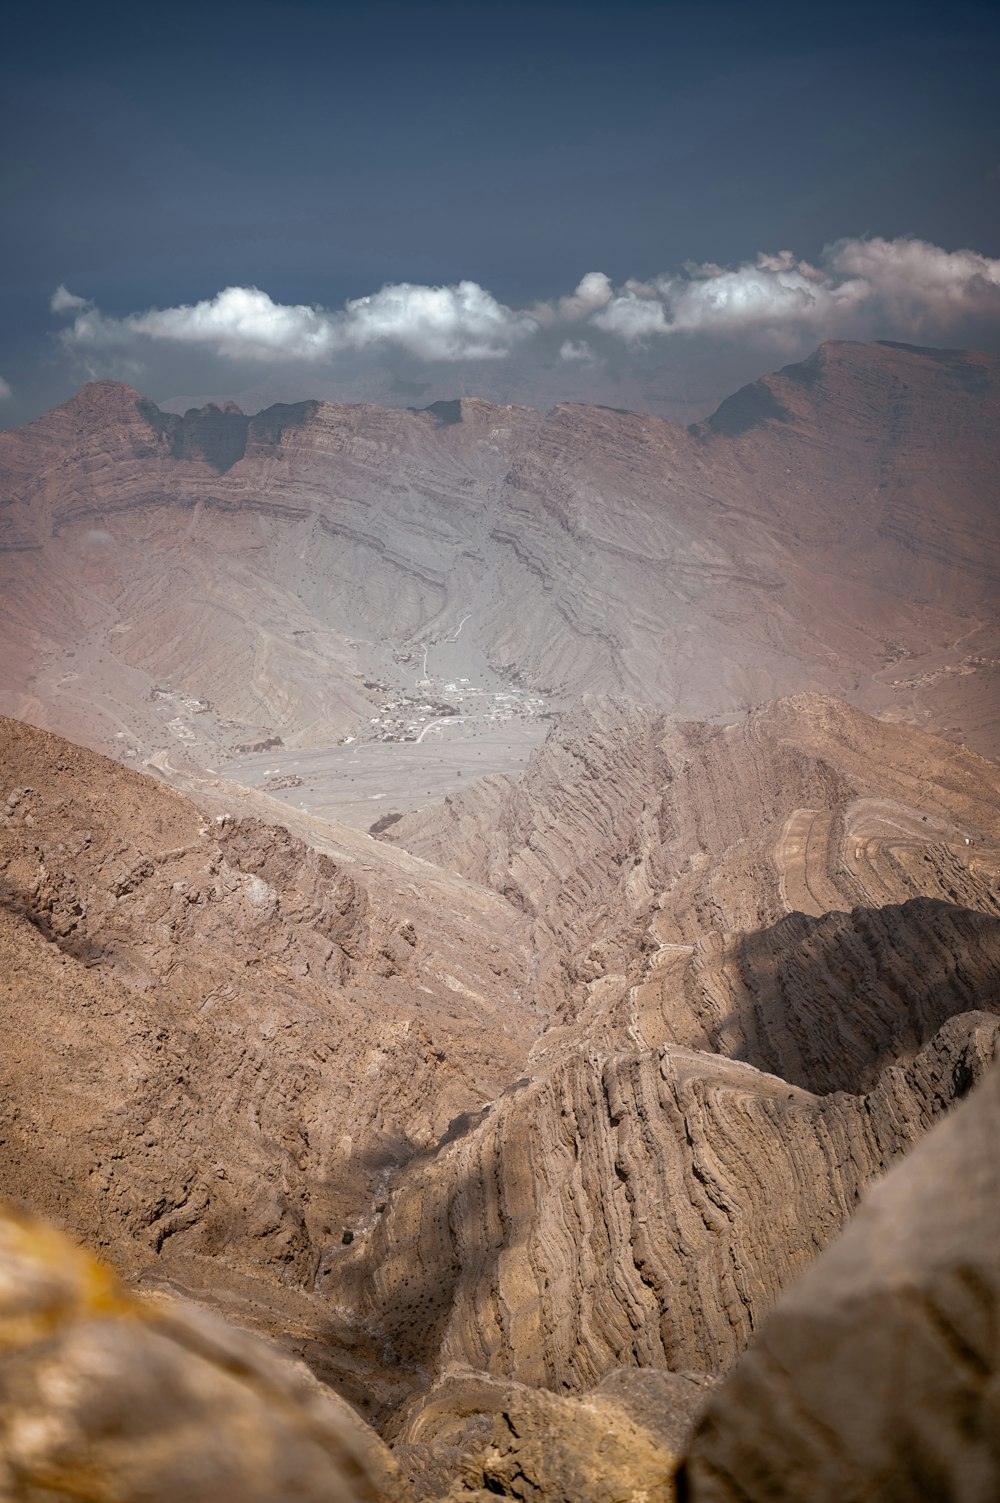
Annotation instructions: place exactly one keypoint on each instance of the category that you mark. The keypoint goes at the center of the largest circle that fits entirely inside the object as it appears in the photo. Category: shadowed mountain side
(876, 1375)
(641, 1209)
(841, 535)
(828, 1003)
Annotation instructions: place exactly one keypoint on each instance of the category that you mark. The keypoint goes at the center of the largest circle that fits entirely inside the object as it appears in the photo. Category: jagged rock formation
(409, 1121)
(717, 1083)
(517, 1121)
(878, 1375)
(830, 527)
(104, 1397)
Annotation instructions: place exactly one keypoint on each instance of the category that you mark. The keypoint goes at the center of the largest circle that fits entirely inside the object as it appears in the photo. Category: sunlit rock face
(516, 1106)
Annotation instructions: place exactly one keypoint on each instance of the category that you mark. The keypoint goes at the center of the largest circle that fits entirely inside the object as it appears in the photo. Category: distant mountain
(831, 527)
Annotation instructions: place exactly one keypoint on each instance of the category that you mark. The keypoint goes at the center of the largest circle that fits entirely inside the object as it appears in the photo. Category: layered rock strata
(220, 1042)
(878, 1375)
(633, 840)
(641, 1209)
(473, 1436)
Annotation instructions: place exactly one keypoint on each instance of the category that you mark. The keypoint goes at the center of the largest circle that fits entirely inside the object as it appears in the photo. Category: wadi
(500, 932)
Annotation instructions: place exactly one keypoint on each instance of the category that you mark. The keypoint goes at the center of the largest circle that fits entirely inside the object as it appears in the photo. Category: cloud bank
(906, 289)
(674, 344)
(5, 390)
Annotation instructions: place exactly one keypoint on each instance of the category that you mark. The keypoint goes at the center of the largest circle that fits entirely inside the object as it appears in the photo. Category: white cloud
(860, 289)
(769, 293)
(436, 323)
(5, 390)
(64, 301)
(920, 285)
(242, 323)
(593, 292)
(632, 315)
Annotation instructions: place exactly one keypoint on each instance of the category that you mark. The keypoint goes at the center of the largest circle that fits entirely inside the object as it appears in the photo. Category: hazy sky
(306, 156)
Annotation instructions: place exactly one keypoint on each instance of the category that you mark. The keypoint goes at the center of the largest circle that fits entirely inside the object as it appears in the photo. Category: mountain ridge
(846, 547)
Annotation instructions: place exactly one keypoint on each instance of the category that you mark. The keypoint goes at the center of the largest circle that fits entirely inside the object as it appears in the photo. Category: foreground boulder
(106, 1398)
(878, 1376)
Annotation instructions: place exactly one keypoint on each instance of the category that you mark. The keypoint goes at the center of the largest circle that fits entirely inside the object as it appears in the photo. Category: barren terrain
(525, 880)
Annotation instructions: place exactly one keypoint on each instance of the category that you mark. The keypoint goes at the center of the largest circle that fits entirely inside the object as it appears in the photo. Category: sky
(538, 202)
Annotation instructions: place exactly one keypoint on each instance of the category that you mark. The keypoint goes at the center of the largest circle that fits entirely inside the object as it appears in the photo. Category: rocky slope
(473, 1436)
(719, 1078)
(592, 1098)
(639, 846)
(203, 583)
(218, 1040)
(642, 1209)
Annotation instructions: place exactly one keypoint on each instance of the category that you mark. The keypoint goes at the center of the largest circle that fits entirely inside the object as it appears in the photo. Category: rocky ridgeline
(639, 1209)
(877, 1375)
(519, 1156)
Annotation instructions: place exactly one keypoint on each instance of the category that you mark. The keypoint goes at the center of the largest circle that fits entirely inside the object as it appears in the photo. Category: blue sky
(155, 156)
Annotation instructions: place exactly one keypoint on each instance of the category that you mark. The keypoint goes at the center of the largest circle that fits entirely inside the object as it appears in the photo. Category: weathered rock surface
(878, 1375)
(632, 839)
(408, 1122)
(108, 1399)
(517, 1122)
(474, 1436)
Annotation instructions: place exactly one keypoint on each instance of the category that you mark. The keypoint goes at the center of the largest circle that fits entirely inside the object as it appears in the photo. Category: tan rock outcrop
(219, 1043)
(474, 1436)
(640, 846)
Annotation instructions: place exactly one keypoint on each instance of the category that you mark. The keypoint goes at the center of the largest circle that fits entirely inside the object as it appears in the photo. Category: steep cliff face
(517, 1121)
(588, 1103)
(834, 532)
(639, 845)
(719, 1077)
